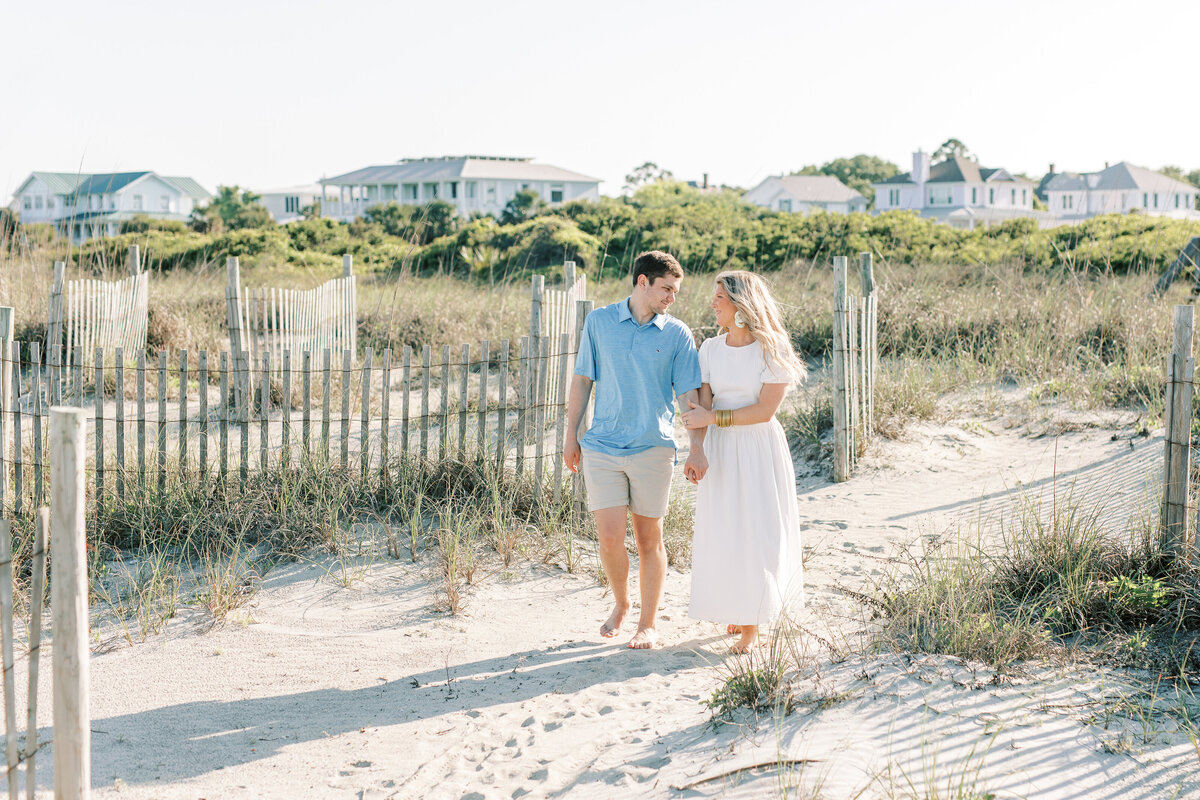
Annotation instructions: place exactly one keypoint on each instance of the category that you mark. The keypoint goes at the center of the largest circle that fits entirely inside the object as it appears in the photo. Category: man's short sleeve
(685, 369)
(585, 361)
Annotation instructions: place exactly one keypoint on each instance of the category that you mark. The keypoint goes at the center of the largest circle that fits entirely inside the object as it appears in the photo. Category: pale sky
(266, 95)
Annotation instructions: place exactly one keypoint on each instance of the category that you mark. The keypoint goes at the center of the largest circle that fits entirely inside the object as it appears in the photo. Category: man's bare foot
(733, 630)
(644, 639)
(612, 626)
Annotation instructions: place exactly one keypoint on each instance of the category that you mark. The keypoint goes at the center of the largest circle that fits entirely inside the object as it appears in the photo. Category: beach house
(482, 184)
(800, 194)
(1117, 189)
(959, 192)
(86, 205)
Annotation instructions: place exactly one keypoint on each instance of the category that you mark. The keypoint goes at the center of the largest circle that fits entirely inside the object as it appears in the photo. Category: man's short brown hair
(654, 264)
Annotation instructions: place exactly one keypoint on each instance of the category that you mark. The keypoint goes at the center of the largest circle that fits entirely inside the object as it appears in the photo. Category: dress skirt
(746, 563)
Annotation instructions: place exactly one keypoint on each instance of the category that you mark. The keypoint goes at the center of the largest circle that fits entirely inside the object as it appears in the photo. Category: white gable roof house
(86, 205)
(482, 184)
(1118, 189)
(800, 194)
(960, 193)
(287, 204)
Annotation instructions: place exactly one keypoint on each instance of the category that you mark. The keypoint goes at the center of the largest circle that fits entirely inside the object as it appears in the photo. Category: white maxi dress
(746, 552)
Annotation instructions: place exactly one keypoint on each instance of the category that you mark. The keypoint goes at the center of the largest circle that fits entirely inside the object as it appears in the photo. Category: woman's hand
(697, 417)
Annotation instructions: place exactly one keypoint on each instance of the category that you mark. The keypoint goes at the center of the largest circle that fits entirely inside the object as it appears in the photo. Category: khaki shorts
(641, 481)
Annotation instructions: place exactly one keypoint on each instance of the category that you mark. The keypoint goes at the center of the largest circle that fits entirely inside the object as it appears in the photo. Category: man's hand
(696, 465)
(571, 454)
(697, 416)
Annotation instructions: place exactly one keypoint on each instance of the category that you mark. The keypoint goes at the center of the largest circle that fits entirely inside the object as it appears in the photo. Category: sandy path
(366, 690)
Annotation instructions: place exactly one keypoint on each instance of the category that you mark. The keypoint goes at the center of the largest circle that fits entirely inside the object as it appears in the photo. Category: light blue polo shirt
(638, 371)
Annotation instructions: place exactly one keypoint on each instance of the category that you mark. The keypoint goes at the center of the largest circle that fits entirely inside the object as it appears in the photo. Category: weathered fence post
(1178, 424)
(69, 603)
(6, 337)
(841, 411)
(870, 348)
(537, 290)
(135, 260)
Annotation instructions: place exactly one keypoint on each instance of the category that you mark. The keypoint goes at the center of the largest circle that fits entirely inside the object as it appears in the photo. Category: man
(639, 358)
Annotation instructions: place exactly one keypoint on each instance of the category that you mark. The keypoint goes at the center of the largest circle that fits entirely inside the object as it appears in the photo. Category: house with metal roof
(287, 204)
(483, 184)
(800, 194)
(86, 205)
(959, 192)
(1117, 189)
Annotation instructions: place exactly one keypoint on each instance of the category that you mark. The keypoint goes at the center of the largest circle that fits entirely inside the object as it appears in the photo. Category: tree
(952, 147)
(231, 209)
(525, 205)
(420, 224)
(645, 174)
(858, 172)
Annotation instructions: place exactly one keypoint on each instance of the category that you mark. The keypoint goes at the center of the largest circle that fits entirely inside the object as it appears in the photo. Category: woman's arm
(769, 400)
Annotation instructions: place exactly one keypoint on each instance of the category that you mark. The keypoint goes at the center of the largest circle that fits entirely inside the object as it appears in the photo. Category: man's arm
(697, 462)
(581, 389)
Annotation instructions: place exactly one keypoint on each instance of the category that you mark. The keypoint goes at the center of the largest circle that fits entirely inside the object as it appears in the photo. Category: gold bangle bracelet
(724, 418)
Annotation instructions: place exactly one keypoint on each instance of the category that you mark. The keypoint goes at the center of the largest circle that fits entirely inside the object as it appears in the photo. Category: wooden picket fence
(88, 314)
(855, 365)
(271, 321)
(552, 312)
(1177, 422)
(184, 425)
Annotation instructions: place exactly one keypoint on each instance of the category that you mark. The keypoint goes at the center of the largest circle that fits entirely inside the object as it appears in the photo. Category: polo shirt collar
(623, 313)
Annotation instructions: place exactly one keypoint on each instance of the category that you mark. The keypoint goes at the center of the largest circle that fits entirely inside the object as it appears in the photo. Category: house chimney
(1051, 167)
(1106, 165)
(920, 170)
(706, 180)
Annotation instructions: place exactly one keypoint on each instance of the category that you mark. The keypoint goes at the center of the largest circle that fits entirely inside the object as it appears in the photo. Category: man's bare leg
(652, 573)
(610, 530)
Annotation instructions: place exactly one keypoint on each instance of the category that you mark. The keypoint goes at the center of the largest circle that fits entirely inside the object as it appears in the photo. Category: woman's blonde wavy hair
(750, 295)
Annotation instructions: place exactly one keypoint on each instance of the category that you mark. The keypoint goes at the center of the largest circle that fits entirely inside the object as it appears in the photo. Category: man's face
(661, 293)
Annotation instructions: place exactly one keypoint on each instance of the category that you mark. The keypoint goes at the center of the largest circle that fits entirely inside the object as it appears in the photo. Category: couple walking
(746, 551)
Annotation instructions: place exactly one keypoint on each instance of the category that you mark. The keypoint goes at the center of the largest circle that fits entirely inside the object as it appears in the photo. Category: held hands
(697, 417)
(696, 465)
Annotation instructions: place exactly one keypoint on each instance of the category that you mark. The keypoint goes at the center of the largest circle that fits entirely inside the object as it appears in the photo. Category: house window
(973, 191)
(491, 192)
(1145, 200)
(50, 201)
(453, 190)
(470, 187)
(1156, 199)
(112, 202)
(893, 197)
(1177, 201)
(1013, 201)
(785, 205)
(291, 205)
(991, 197)
(431, 191)
(556, 193)
(28, 202)
(37, 201)
(1024, 197)
(410, 191)
(137, 202)
(164, 203)
(524, 187)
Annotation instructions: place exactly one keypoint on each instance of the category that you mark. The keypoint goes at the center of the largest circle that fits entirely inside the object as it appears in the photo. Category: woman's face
(723, 307)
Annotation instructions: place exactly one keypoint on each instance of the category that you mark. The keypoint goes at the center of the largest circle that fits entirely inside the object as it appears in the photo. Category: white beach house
(959, 192)
(471, 183)
(86, 205)
(1118, 189)
(800, 194)
(287, 204)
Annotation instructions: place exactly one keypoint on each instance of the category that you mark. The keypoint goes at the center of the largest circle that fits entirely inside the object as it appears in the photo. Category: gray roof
(79, 183)
(188, 186)
(451, 167)
(818, 189)
(959, 169)
(1122, 176)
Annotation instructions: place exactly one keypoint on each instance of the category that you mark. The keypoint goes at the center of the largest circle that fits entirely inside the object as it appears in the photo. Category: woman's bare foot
(644, 639)
(748, 640)
(612, 626)
(733, 630)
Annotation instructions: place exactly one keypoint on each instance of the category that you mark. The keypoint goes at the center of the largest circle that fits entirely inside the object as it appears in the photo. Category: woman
(746, 555)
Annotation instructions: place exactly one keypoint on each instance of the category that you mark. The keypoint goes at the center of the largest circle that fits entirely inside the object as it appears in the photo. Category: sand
(346, 679)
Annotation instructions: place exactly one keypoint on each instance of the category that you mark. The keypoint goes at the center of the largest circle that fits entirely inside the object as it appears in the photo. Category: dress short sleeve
(773, 371)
